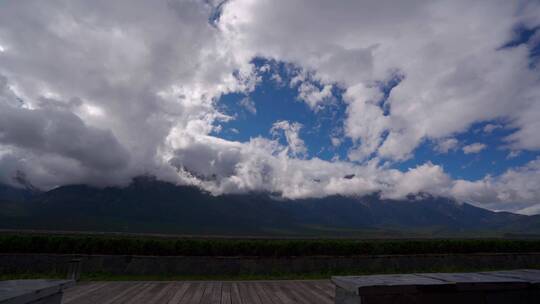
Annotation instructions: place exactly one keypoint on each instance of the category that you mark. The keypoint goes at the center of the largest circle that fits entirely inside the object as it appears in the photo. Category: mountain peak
(152, 206)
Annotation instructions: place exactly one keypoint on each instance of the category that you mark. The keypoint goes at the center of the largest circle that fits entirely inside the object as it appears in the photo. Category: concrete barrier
(516, 286)
(188, 265)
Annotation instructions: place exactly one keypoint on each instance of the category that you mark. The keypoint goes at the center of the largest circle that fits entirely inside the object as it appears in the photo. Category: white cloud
(100, 92)
(513, 154)
(108, 82)
(336, 142)
(491, 127)
(454, 70)
(263, 164)
(425, 178)
(531, 210)
(473, 148)
(515, 190)
(277, 78)
(249, 105)
(365, 120)
(292, 136)
(445, 145)
(314, 96)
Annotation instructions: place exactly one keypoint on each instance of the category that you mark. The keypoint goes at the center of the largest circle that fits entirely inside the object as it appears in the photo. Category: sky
(298, 98)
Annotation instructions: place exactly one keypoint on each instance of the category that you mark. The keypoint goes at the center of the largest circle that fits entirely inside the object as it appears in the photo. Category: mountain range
(148, 205)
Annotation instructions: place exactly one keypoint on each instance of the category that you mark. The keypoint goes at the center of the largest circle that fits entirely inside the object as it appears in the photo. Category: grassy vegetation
(241, 277)
(82, 244)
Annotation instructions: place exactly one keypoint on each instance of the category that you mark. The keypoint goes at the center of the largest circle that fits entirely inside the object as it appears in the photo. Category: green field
(155, 246)
(102, 276)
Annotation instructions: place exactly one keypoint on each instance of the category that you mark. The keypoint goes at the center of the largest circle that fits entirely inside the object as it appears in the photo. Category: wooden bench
(516, 286)
(33, 291)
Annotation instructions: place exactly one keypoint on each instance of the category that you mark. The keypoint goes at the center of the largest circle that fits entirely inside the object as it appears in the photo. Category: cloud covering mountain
(98, 92)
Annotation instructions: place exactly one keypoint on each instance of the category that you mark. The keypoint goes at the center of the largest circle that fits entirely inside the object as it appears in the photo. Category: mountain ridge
(148, 205)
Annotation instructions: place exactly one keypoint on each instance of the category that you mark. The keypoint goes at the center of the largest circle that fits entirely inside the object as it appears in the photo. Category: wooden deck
(244, 292)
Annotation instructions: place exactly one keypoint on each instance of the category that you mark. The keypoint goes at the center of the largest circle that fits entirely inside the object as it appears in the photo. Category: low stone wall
(183, 265)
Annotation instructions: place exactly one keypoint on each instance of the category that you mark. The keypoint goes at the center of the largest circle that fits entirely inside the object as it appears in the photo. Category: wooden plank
(275, 295)
(188, 295)
(197, 294)
(317, 293)
(286, 292)
(327, 288)
(179, 291)
(242, 291)
(292, 294)
(130, 288)
(236, 298)
(226, 293)
(216, 293)
(73, 293)
(308, 293)
(165, 294)
(100, 294)
(300, 292)
(207, 295)
(263, 295)
(276, 290)
(150, 294)
(139, 292)
(77, 289)
(247, 293)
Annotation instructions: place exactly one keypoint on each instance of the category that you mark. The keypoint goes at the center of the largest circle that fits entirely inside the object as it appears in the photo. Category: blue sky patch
(275, 99)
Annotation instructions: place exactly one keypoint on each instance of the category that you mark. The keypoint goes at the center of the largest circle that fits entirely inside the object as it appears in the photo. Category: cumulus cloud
(449, 53)
(513, 154)
(515, 190)
(249, 105)
(424, 178)
(314, 96)
(491, 127)
(292, 135)
(99, 92)
(309, 92)
(62, 133)
(365, 122)
(103, 84)
(264, 164)
(473, 148)
(445, 145)
(336, 142)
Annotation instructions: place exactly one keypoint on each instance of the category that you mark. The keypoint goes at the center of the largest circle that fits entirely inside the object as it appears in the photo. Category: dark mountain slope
(152, 206)
(9, 193)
